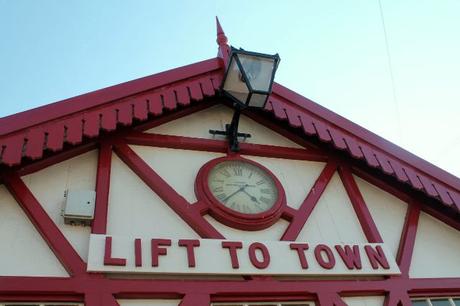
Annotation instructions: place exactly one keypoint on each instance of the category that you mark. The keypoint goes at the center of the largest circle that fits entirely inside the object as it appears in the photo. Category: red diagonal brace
(301, 216)
(360, 207)
(407, 242)
(45, 226)
(177, 203)
(397, 298)
(330, 299)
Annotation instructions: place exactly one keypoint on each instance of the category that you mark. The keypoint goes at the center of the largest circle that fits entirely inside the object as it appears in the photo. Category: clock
(240, 192)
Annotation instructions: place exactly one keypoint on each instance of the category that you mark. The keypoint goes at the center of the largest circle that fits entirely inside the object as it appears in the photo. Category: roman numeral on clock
(237, 171)
(264, 200)
(260, 182)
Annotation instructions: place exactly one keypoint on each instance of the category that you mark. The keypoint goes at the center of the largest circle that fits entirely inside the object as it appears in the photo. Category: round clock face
(243, 187)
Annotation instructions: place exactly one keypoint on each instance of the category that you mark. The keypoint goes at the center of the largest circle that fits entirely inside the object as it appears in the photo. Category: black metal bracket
(231, 130)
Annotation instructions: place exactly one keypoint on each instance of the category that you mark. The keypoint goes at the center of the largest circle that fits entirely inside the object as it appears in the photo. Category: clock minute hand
(239, 190)
(251, 196)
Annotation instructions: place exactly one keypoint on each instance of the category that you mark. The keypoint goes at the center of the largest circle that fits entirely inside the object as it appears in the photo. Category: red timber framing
(99, 289)
(113, 119)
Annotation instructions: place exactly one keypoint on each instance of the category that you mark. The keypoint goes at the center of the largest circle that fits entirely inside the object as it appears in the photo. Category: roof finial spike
(224, 49)
(221, 38)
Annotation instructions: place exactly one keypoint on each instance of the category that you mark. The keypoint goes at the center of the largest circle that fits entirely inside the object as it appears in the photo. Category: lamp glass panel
(258, 70)
(257, 100)
(234, 83)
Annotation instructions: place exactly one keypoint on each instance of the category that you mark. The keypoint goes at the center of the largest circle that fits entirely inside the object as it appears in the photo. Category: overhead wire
(390, 68)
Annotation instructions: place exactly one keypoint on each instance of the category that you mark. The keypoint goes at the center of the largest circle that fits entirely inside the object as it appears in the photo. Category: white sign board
(121, 254)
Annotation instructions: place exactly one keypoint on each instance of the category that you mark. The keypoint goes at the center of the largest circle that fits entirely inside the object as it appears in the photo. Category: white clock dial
(242, 187)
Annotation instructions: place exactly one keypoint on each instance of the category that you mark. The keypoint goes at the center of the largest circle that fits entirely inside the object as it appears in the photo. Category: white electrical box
(79, 207)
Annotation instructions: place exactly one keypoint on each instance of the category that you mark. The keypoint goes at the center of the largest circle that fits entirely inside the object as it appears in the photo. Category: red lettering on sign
(350, 256)
(257, 246)
(138, 252)
(108, 259)
(301, 248)
(190, 244)
(324, 249)
(232, 246)
(376, 257)
(156, 250)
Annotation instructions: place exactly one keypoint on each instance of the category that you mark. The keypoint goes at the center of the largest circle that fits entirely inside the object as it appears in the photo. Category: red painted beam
(61, 298)
(212, 145)
(176, 142)
(23, 285)
(186, 211)
(44, 225)
(155, 288)
(300, 217)
(196, 299)
(360, 207)
(274, 287)
(99, 225)
(252, 287)
(407, 242)
(98, 298)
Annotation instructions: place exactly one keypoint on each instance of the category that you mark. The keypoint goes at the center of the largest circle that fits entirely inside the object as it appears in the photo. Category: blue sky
(333, 52)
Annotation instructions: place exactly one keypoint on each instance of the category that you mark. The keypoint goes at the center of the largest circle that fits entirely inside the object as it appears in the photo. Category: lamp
(249, 77)
(248, 83)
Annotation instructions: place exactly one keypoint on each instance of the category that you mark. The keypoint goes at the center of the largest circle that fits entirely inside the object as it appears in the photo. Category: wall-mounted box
(79, 207)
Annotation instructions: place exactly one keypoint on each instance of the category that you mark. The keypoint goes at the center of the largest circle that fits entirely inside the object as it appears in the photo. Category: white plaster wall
(273, 233)
(436, 251)
(23, 250)
(296, 176)
(177, 167)
(333, 220)
(387, 211)
(48, 186)
(199, 123)
(134, 209)
(364, 300)
(148, 302)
